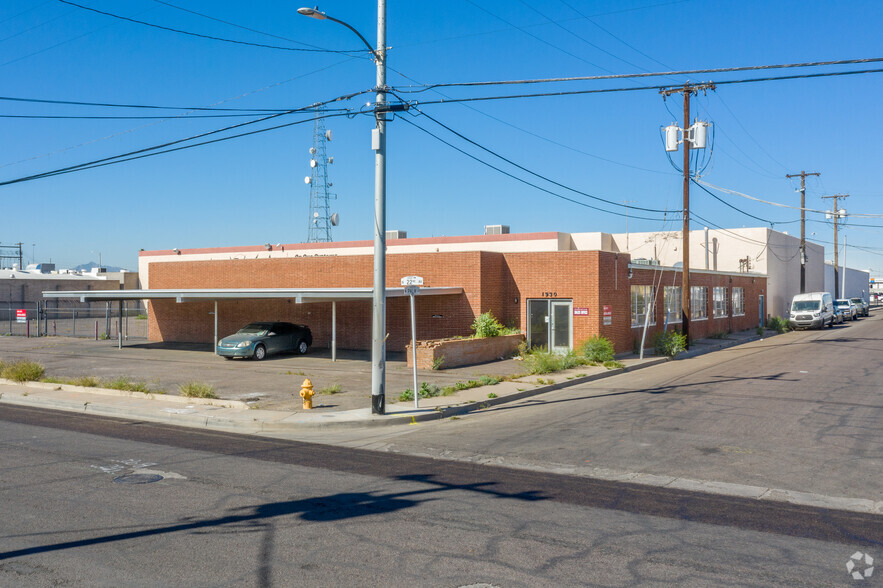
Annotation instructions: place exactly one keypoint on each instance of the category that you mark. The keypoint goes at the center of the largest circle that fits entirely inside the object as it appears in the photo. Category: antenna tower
(321, 220)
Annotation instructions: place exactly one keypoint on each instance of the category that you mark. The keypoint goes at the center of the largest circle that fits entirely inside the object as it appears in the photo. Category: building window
(719, 296)
(698, 302)
(673, 304)
(642, 303)
(738, 302)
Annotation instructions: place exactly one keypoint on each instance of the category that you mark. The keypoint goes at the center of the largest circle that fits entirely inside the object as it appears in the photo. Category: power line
(721, 200)
(637, 88)
(425, 87)
(210, 37)
(147, 106)
(535, 174)
(522, 180)
(145, 152)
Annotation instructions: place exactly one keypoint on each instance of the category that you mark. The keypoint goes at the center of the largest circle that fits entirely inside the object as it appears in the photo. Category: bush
(332, 389)
(197, 390)
(597, 349)
(777, 324)
(540, 360)
(669, 343)
(84, 381)
(23, 371)
(486, 325)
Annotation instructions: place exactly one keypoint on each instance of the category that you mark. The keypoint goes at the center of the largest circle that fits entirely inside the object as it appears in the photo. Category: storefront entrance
(549, 324)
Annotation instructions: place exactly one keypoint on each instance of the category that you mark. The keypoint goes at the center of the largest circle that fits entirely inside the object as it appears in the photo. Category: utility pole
(836, 215)
(627, 202)
(687, 90)
(802, 176)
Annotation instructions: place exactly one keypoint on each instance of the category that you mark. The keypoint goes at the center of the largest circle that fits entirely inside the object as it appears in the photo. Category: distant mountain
(85, 267)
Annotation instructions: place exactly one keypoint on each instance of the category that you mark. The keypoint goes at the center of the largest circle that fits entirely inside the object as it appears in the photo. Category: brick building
(558, 288)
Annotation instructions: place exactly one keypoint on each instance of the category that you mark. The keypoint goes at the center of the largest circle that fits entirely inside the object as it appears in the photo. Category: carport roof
(192, 295)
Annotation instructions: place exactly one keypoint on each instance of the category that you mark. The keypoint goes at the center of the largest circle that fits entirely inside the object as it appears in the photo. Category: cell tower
(321, 219)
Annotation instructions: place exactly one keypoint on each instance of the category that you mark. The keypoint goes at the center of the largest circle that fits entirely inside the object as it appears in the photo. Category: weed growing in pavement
(291, 373)
(197, 390)
(438, 362)
(777, 324)
(123, 383)
(141, 317)
(759, 331)
(332, 389)
(669, 343)
(85, 381)
(613, 364)
(719, 335)
(580, 376)
(491, 395)
(23, 371)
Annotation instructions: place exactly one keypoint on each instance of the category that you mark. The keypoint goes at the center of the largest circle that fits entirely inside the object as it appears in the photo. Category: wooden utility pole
(802, 176)
(836, 214)
(687, 90)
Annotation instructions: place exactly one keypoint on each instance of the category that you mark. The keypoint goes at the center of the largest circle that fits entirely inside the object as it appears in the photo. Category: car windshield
(841, 302)
(857, 300)
(805, 305)
(254, 329)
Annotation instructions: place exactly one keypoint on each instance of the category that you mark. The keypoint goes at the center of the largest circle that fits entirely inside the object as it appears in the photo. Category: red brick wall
(499, 282)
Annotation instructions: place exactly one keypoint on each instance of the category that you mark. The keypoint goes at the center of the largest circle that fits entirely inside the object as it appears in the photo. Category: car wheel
(301, 347)
(260, 352)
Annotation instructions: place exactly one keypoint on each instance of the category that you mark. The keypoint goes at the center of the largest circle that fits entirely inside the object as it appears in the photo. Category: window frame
(637, 319)
(720, 308)
(740, 299)
(673, 315)
(697, 293)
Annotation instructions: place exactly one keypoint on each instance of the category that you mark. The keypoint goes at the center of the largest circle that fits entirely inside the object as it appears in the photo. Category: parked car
(838, 316)
(864, 309)
(257, 340)
(812, 310)
(847, 308)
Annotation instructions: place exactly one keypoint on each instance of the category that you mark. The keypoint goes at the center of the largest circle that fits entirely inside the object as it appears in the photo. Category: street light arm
(313, 13)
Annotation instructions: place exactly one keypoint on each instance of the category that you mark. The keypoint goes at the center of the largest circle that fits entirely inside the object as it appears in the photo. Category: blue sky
(250, 190)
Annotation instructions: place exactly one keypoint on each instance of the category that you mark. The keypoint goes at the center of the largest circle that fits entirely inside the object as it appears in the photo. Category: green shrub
(438, 362)
(777, 324)
(197, 390)
(759, 331)
(427, 390)
(597, 349)
(332, 389)
(486, 325)
(23, 371)
(669, 343)
(540, 360)
(85, 381)
(491, 395)
(613, 364)
(141, 317)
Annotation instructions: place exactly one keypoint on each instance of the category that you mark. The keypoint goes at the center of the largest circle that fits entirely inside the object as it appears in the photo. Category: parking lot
(274, 383)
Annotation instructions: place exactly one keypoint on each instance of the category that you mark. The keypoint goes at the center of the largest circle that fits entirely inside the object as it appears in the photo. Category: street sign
(580, 311)
(21, 315)
(412, 290)
(412, 281)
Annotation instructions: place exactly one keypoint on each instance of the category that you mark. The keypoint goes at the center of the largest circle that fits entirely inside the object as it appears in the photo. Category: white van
(812, 310)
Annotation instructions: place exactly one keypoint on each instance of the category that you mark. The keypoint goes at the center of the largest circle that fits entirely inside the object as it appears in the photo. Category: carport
(299, 295)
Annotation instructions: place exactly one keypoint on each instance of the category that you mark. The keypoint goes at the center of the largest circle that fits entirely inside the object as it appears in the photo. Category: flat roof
(299, 295)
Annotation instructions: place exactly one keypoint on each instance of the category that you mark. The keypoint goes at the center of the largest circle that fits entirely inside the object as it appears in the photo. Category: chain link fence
(96, 320)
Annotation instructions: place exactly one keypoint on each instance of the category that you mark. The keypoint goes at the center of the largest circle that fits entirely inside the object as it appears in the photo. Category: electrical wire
(514, 177)
(145, 106)
(724, 202)
(81, 117)
(145, 152)
(210, 37)
(425, 87)
(533, 173)
(638, 88)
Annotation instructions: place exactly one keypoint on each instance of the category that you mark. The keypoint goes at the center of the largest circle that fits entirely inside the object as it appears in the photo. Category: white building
(858, 282)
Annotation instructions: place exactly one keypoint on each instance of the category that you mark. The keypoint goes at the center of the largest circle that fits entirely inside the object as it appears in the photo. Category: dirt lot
(273, 383)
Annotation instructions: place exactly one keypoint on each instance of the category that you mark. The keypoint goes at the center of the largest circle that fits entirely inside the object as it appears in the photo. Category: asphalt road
(801, 411)
(243, 511)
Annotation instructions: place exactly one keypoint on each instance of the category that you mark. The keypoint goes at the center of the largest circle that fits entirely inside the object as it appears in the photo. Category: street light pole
(378, 144)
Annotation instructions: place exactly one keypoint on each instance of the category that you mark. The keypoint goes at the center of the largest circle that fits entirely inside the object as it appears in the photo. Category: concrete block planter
(459, 352)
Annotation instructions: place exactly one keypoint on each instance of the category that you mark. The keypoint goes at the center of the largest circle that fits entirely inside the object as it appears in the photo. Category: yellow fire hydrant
(306, 392)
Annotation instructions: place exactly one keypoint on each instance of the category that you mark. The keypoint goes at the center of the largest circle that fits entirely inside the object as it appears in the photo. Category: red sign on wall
(21, 315)
(608, 314)
(580, 312)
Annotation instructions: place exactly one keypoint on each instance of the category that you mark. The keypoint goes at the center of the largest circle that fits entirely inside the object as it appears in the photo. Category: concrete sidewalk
(239, 416)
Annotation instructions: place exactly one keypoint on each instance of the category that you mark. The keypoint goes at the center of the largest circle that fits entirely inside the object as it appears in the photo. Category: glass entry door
(549, 324)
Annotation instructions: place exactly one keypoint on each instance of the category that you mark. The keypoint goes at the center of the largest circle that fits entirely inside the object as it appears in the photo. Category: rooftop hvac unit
(496, 229)
(397, 234)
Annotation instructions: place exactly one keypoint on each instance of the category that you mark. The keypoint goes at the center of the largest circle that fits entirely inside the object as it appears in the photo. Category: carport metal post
(333, 330)
(216, 327)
